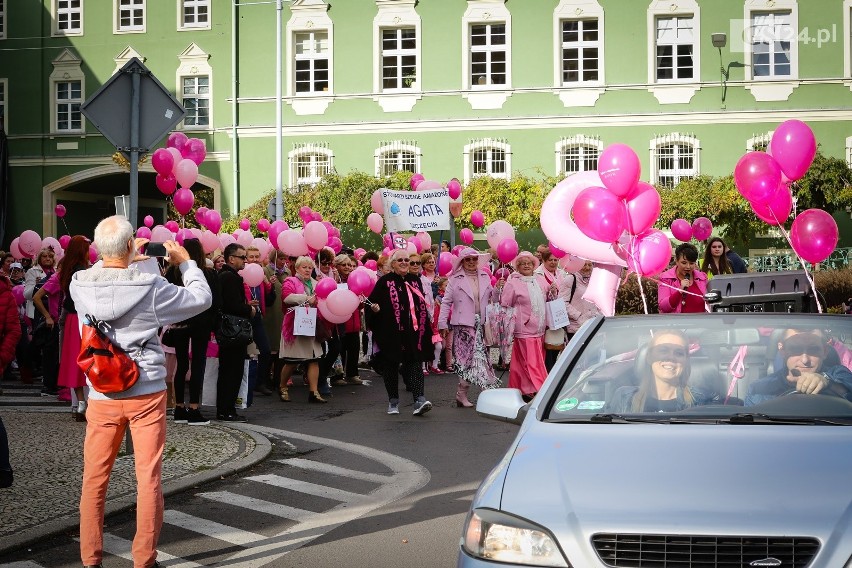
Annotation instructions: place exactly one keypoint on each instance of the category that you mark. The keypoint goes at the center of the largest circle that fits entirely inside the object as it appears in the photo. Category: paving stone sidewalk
(46, 450)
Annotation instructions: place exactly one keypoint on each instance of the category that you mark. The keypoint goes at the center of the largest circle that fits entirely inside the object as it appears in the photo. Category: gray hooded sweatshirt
(134, 303)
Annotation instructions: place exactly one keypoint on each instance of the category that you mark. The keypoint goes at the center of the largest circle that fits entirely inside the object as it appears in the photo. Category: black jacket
(393, 328)
(233, 293)
(207, 318)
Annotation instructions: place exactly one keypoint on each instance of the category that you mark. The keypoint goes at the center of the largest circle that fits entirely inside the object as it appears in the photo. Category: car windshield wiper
(759, 418)
(608, 418)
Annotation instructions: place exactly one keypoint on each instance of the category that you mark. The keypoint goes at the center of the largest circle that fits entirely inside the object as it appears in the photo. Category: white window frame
(673, 91)
(677, 140)
(481, 12)
(314, 38)
(307, 16)
(313, 150)
(772, 33)
(181, 22)
(56, 11)
(4, 104)
(677, 22)
(194, 62)
(66, 104)
(66, 68)
(586, 144)
(396, 146)
(404, 83)
(117, 9)
(491, 144)
(583, 10)
(2, 19)
(392, 14)
(486, 79)
(849, 151)
(759, 140)
(847, 40)
(760, 6)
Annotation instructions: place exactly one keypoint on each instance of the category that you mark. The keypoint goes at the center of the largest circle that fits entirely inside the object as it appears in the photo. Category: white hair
(112, 235)
(302, 260)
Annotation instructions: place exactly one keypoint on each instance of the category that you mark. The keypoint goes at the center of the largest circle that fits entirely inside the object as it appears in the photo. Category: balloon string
(638, 276)
(801, 260)
(67, 232)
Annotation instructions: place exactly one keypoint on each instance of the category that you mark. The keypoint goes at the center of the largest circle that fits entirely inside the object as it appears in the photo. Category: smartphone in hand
(155, 249)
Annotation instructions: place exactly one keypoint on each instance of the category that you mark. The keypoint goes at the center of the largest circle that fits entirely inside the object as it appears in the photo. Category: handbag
(107, 366)
(305, 321)
(554, 339)
(171, 334)
(233, 331)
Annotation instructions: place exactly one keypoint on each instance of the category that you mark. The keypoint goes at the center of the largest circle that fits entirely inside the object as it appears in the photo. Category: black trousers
(412, 375)
(231, 365)
(199, 336)
(49, 356)
(349, 354)
(332, 350)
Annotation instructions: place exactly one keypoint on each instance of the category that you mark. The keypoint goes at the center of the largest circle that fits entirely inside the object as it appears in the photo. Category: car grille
(678, 551)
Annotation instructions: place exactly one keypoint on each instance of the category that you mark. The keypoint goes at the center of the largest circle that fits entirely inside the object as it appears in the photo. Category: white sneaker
(421, 407)
(81, 407)
(393, 408)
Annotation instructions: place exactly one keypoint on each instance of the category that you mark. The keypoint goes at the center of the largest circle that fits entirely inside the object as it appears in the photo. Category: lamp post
(720, 40)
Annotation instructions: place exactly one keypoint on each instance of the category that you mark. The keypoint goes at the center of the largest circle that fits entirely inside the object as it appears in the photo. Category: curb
(54, 527)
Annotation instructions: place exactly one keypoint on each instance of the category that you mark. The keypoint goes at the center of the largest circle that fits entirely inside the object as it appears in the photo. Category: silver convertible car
(677, 441)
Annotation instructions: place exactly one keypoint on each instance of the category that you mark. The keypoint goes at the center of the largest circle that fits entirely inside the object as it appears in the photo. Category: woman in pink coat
(526, 292)
(463, 308)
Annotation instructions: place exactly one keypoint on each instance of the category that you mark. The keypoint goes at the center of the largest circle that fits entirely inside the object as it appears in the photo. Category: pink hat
(524, 254)
(466, 252)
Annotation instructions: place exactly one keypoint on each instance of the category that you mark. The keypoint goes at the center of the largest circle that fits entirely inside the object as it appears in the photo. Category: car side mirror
(505, 405)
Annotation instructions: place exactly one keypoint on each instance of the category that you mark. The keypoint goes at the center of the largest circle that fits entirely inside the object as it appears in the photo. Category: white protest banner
(416, 210)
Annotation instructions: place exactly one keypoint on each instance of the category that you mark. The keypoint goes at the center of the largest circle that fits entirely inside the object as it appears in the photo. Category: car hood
(580, 479)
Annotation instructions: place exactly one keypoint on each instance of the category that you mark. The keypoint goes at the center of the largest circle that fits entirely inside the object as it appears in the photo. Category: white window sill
(579, 96)
(674, 94)
(310, 105)
(487, 100)
(398, 102)
(772, 90)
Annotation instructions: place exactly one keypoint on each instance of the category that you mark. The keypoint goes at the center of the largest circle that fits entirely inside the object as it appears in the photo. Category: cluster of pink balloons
(700, 229)
(418, 182)
(763, 179)
(177, 164)
(501, 237)
(315, 235)
(29, 243)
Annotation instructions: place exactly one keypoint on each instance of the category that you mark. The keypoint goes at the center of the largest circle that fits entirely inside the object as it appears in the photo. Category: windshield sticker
(567, 404)
(591, 405)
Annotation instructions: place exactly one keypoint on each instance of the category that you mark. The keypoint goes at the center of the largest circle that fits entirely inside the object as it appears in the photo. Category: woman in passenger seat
(663, 371)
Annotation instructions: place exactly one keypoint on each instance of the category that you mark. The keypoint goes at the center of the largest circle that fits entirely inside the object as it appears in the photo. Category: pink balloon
(757, 176)
(316, 235)
(643, 208)
(649, 253)
(702, 228)
(183, 200)
(64, 241)
(681, 230)
(454, 188)
(457, 249)
(477, 219)
(359, 281)
(330, 316)
(142, 233)
(93, 253)
(428, 184)
(599, 214)
(252, 274)
(162, 161)
(413, 182)
(603, 287)
(172, 226)
(342, 302)
(778, 209)
(29, 243)
(276, 229)
(244, 238)
(263, 225)
(305, 213)
(316, 216)
(376, 202)
(619, 169)
(262, 245)
(502, 273)
(51, 242)
(166, 184)
(245, 224)
(214, 220)
(209, 241)
(372, 264)
(466, 236)
(445, 263)
(336, 244)
(325, 287)
(225, 239)
(186, 172)
(292, 243)
(793, 147)
(176, 158)
(571, 263)
(59, 210)
(177, 140)
(148, 221)
(161, 233)
(814, 235)
(418, 246)
(182, 235)
(559, 227)
(497, 232)
(194, 150)
(425, 240)
(375, 222)
(507, 250)
(18, 294)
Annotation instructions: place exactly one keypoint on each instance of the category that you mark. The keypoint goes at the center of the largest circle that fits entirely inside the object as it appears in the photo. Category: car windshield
(731, 368)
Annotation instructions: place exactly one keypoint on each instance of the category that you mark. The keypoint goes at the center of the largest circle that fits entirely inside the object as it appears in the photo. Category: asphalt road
(346, 485)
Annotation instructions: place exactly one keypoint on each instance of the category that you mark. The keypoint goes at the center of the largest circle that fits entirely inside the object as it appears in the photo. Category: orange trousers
(106, 423)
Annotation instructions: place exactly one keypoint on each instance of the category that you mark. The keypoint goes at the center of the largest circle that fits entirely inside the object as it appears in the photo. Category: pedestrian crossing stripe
(308, 488)
(320, 467)
(259, 505)
(211, 528)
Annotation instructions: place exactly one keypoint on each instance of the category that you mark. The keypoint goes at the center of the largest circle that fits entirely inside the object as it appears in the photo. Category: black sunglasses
(238, 256)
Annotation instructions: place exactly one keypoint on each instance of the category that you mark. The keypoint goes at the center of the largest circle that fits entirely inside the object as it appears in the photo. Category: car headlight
(496, 536)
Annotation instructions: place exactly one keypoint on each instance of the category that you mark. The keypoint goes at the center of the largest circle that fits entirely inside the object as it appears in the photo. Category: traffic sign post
(133, 110)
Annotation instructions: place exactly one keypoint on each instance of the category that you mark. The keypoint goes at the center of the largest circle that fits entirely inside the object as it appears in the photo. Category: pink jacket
(516, 295)
(670, 299)
(458, 300)
(265, 288)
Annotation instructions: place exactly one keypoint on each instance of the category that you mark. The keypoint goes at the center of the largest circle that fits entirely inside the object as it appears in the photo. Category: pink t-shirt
(51, 289)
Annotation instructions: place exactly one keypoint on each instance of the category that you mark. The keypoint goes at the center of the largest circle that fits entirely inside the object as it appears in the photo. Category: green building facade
(448, 88)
